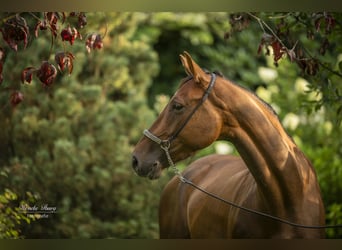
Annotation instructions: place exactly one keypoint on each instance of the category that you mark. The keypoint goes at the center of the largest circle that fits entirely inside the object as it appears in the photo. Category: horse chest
(211, 218)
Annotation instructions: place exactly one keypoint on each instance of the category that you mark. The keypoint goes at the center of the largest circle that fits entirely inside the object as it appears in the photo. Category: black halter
(165, 144)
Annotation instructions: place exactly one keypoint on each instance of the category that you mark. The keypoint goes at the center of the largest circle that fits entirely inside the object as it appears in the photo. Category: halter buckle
(165, 145)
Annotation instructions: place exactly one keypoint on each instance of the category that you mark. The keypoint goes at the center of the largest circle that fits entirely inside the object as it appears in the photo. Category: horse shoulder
(195, 214)
(172, 220)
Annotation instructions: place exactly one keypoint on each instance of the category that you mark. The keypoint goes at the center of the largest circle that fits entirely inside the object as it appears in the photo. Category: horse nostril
(134, 162)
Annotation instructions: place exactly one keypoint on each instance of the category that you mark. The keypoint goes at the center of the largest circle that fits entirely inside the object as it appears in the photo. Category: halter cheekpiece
(166, 144)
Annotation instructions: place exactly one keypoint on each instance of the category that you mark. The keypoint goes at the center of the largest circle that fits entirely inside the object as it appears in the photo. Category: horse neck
(280, 169)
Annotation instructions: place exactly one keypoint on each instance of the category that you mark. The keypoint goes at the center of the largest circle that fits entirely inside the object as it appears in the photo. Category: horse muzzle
(151, 170)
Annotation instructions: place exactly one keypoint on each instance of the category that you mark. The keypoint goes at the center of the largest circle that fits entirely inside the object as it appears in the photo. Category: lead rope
(178, 173)
(175, 170)
(165, 145)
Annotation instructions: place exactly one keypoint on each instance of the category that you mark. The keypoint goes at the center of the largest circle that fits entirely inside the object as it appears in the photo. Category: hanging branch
(16, 31)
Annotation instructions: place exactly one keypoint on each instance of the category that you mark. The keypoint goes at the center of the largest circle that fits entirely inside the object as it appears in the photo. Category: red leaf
(309, 66)
(15, 30)
(52, 19)
(1, 76)
(324, 46)
(318, 23)
(65, 60)
(16, 98)
(2, 59)
(312, 67)
(82, 20)
(330, 23)
(2, 54)
(41, 25)
(94, 41)
(47, 73)
(325, 19)
(260, 48)
(70, 35)
(66, 35)
(278, 50)
(26, 74)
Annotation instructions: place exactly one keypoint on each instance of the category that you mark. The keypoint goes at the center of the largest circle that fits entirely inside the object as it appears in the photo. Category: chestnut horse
(272, 175)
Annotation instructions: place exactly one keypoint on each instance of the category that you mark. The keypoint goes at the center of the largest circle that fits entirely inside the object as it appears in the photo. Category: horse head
(189, 122)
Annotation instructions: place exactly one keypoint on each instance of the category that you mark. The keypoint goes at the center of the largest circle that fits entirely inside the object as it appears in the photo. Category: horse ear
(193, 69)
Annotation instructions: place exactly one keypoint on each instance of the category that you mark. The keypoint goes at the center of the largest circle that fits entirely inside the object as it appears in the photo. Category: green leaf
(340, 66)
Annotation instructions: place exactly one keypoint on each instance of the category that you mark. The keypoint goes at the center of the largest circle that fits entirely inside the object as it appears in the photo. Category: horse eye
(177, 106)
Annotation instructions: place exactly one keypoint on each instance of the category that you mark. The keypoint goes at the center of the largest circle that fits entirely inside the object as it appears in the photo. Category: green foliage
(72, 143)
(335, 217)
(12, 217)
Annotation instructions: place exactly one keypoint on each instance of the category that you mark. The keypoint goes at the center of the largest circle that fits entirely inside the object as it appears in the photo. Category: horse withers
(271, 175)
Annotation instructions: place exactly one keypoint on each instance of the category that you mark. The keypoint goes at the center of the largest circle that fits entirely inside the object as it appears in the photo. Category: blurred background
(69, 145)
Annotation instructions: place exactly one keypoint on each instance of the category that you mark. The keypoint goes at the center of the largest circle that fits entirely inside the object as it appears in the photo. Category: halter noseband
(165, 144)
